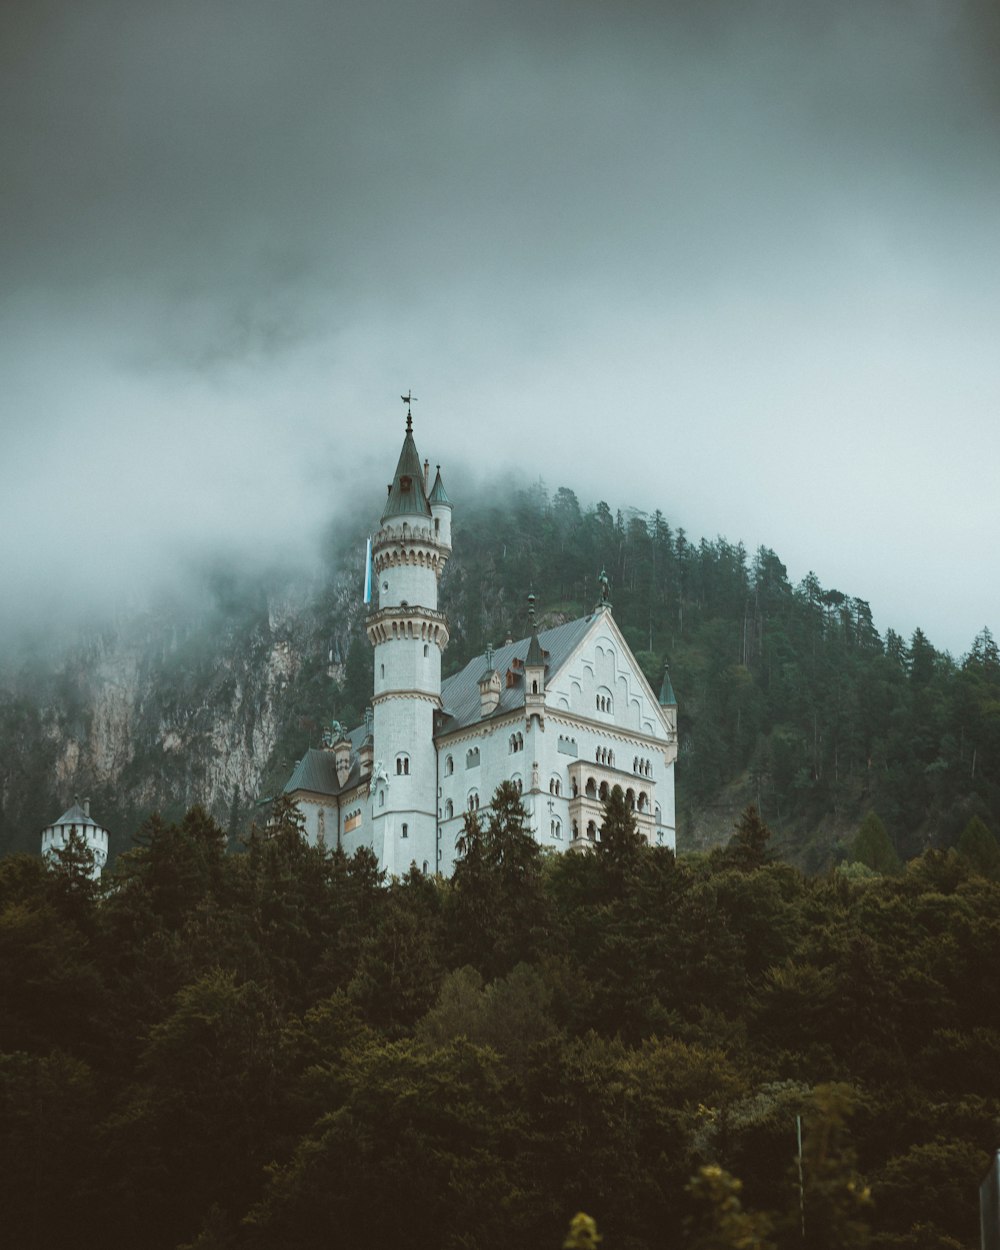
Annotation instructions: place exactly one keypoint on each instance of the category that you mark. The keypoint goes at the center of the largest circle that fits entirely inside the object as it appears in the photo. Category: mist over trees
(788, 696)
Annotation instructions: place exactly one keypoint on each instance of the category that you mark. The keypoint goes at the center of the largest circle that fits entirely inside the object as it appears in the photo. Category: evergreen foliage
(278, 1048)
(873, 847)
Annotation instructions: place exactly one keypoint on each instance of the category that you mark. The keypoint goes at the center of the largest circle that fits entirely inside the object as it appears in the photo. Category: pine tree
(747, 849)
(873, 847)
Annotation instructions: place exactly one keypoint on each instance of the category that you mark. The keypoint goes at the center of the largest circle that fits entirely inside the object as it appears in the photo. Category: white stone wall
(407, 583)
(56, 837)
(407, 665)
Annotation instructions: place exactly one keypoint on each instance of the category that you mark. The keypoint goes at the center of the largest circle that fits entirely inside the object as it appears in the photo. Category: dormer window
(405, 483)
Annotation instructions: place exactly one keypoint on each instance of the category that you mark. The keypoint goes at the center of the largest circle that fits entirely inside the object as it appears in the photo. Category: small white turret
(441, 511)
(489, 686)
(78, 822)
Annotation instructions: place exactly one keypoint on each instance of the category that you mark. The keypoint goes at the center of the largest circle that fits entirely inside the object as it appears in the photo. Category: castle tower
(79, 822)
(409, 635)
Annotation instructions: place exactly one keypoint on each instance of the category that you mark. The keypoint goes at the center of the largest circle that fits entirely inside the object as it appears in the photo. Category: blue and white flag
(368, 571)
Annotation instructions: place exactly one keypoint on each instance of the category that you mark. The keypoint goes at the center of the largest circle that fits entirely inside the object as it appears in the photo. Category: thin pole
(802, 1194)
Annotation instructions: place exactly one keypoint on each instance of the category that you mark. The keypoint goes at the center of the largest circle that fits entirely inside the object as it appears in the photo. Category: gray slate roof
(76, 816)
(407, 496)
(460, 694)
(438, 493)
(316, 770)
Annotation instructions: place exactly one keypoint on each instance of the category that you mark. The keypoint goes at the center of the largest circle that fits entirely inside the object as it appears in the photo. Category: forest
(788, 696)
(276, 1049)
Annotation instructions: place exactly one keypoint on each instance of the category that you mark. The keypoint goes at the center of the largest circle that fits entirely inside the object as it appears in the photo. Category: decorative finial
(368, 722)
(603, 583)
(489, 657)
(409, 399)
(531, 610)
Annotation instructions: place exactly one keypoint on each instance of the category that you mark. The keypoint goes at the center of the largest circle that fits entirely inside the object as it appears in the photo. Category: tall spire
(407, 496)
(667, 697)
(535, 657)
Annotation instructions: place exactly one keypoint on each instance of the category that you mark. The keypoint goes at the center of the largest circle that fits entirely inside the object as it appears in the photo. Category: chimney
(427, 476)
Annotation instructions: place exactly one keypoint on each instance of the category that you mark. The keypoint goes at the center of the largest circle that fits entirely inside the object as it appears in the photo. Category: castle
(565, 714)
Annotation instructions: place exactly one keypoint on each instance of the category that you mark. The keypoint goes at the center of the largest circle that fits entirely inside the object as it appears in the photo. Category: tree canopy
(280, 1048)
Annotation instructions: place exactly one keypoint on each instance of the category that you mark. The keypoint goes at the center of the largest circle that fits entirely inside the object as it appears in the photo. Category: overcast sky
(739, 261)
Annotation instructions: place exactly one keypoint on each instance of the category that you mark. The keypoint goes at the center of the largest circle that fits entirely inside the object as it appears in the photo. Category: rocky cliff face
(174, 705)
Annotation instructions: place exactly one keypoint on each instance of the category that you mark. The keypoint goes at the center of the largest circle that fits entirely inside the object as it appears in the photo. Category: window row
(402, 765)
(516, 743)
(643, 767)
(605, 703)
(555, 786)
(604, 756)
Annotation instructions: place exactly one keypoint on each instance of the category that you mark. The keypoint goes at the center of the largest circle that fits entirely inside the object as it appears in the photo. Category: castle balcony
(406, 622)
(590, 784)
(409, 544)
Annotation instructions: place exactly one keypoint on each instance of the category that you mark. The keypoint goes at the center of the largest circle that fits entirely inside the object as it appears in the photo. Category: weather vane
(409, 399)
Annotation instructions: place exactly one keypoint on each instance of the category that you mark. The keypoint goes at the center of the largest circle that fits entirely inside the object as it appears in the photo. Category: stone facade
(565, 714)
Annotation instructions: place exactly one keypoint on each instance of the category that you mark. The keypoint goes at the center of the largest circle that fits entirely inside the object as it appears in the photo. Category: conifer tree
(620, 837)
(980, 847)
(873, 847)
(747, 849)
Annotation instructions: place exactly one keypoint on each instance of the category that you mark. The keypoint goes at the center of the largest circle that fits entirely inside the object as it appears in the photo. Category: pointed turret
(534, 671)
(438, 493)
(489, 686)
(441, 511)
(407, 496)
(667, 697)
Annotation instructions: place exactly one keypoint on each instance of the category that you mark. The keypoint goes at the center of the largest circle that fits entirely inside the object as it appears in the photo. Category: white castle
(565, 714)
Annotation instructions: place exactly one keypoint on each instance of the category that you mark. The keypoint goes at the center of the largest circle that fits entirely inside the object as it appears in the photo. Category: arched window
(472, 758)
(427, 650)
(602, 794)
(449, 810)
(402, 765)
(406, 831)
(425, 866)
(534, 687)
(643, 801)
(591, 788)
(449, 765)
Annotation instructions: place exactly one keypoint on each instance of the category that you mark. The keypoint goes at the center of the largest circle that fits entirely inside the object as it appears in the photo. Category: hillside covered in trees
(276, 1050)
(788, 696)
